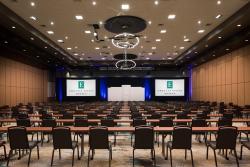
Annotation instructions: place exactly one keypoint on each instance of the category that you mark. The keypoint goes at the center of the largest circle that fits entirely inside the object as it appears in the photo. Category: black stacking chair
(67, 116)
(80, 122)
(2, 144)
(196, 122)
(182, 115)
(137, 122)
(224, 122)
(46, 116)
(23, 115)
(98, 139)
(48, 123)
(18, 139)
(244, 144)
(136, 115)
(226, 139)
(92, 116)
(25, 122)
(182, 139)
(165, 122)
(228, 115)
(109, 122)
(62, 140)
(155, 116)
(144, 139)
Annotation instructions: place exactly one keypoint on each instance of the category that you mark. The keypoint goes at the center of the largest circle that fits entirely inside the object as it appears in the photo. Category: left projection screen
(81, 87)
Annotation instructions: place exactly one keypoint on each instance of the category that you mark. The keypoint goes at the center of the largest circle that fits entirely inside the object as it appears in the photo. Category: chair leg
(5, 155)
(215, 158)
(78, 154)
(109, 158)
(37, 147)
(171, 157)
(185, 154)
(226, 155)
(236, 157)
(207, 153)
(52, 158)
(191, 152)
(154, 157)
(60, 154)
(73, 156)
(241, 150)
(29, 157)
(10, 154)
(114, 139)
(88, 157)
(166, 157)
(133, 157)
(19, 154)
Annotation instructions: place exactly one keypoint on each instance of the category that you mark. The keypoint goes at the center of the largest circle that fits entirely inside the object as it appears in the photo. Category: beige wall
(21, 83)
(226, 78)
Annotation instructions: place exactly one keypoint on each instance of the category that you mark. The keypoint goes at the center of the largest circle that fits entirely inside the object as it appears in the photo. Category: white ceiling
(62, 13)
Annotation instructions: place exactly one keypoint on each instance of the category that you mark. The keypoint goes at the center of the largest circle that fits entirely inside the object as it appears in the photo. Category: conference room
(124, 83)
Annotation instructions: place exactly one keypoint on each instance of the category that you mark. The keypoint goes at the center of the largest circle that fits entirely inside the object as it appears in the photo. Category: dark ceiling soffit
(5, 11)
(243, 12)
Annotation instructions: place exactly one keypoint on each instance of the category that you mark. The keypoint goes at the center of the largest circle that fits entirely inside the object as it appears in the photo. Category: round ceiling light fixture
(125, 41)
(125, 64)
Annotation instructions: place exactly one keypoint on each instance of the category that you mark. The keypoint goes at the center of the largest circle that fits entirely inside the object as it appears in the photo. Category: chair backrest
(108, 122)
(139, 122)
(23, 122)
(155, 116)
(182, 137)
(226, 138)
(166, 122)
(46, 116)
(196, 122)
(62, 138)
(144, 137)
(98, 138)
(67, 116)
(81, 122)
(225, 122)
(182, 115)
(22, 115)
(92, 116)
(136, 115)
(228, 115)
(18, 137)
(49, 123)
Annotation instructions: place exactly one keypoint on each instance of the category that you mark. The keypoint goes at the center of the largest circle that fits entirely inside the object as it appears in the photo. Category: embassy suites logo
(170, 84)
(81, 84)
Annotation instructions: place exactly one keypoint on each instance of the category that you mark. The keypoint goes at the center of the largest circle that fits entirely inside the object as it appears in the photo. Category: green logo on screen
(169, 84)
(81, 84)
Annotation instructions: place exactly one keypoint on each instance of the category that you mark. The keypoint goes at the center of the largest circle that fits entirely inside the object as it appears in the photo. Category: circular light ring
(124, 42)
(125, 68)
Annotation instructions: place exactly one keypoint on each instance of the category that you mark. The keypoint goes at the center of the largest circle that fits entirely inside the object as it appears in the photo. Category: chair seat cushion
(212, 144)
(33, 144)
(246, 144)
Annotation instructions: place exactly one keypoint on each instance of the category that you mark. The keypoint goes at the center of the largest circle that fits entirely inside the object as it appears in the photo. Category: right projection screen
(169, 87)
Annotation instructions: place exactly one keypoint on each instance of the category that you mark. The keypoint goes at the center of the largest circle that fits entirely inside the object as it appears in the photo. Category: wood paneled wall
(21, 83)
(225, 79)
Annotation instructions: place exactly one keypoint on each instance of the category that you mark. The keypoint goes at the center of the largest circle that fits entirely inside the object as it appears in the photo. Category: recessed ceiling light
(33, 18)
(69, 48)
(238, 25)
(158, 40)
(218, 2)
(95, 34)
(163, 31)
(206, 46)
(76, 47)
(219, 37)
(170, 58)
(199, 22)
(182, 47)
(153, 47)
(147, 58)
(97, 48)
(142, 47)
(55, 53)
(227, 49)
(156, 2)
(103, 58)
(186, 40)
(32, 4)
(66, 37)
(175, 46)
(45, 47)
(246, 40)
(213, 55)
(163, 58)
(88, 32)
(100, 22)
(13, 27)
(218, 16)
(83, 54)
(94, 3)
(31, 38)
(171, 16)
(150, 22)
(184, 36)
(92, 40)
(50, 32)
(201, 31)
(196, 52)
(37, 56)
(76, 54)
(125, 7)
(81, 58)
(60, 40)
(150, 53)
(145, 37)
(78, 17)
(52, 23)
